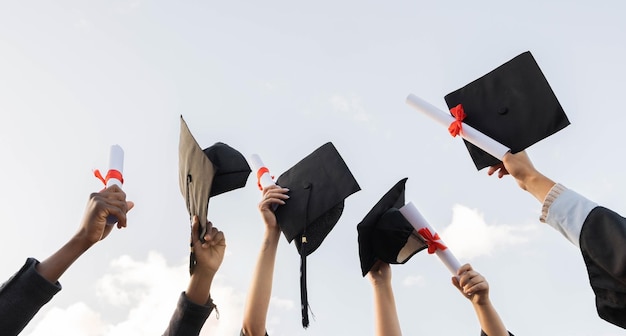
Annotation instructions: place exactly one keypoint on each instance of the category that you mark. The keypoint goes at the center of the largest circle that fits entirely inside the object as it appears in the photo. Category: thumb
(195, 228)
(129, 205)
(455, 282)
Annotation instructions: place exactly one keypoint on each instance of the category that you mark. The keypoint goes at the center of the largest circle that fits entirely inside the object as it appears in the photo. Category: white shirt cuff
(566, 211)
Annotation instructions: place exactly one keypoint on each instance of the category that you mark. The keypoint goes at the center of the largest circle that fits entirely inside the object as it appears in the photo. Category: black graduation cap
(384, 233)
(318, 186)
(207, 173)
(513, 104)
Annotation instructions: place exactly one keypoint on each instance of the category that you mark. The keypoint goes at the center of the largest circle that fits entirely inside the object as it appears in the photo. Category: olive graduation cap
(206, 173)
(318, 186)
(384, 233)
(513, 104)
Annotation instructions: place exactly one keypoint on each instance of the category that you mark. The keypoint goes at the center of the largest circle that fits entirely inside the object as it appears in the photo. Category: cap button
(503, 111)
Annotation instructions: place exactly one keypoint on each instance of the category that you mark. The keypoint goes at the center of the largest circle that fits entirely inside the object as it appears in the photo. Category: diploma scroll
(262, 173)
(114, 175)
(468, 133)
(413, 216)
(116, 162)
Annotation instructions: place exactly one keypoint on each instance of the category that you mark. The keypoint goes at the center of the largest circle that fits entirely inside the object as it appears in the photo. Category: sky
(279, 79)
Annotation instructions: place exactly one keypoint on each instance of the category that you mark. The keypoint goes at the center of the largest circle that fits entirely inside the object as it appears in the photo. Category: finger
(107, 230)
(270, 189)
(467, 277)
(219, 239)
(210, 234)
(476, 288)
(195, 229)
(492, 170)
(473, 280)
(117, 213)
(129, 205)
(455, 282)
(280, 195)
(463, 269)
(114, 192)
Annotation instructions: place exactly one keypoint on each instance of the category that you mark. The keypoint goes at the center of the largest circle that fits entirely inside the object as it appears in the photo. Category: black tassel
(304, 301)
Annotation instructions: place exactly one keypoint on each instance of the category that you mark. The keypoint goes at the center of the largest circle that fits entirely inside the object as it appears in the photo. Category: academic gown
(600, 233)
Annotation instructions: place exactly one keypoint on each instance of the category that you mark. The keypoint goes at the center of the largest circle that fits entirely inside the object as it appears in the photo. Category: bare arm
(111, 201)
(386, 321)
(528, 178)
(260, 291)
(475, 288)
(209, 257)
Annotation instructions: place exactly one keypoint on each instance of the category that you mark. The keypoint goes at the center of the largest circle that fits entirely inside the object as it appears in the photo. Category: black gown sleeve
(603, 247)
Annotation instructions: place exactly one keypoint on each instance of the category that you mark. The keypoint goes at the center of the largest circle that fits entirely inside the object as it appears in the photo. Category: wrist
(199, 289)
(481, 301)
(381, 283)
(80, 243)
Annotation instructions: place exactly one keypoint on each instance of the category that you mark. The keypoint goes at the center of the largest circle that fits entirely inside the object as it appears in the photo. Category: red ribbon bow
(112, 173)
(433, 242)
(260, 173)
(457, 125)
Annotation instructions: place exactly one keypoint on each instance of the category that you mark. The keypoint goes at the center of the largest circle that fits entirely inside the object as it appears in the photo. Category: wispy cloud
(127, 6)
(281, 303)
(350, 106)
(148, 291)
(469, 236)
(77, 320)
(413, 280)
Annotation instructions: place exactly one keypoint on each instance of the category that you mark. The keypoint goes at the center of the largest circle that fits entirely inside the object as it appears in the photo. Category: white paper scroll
(468, 133)
(116, 162)
(265, 179)
(413, 216)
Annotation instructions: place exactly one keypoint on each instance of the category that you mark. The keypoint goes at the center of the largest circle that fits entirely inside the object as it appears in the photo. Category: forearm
(489, 320)
(386, 321)
(55, 265)
(260, 291)
(199, 288)
(538, 185)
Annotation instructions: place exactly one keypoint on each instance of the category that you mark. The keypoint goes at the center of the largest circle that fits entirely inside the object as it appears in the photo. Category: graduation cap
(513, 104)
(318, 186)
(384, 233)
(207, 173)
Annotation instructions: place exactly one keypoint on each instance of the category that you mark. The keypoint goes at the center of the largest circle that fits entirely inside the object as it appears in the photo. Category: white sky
(280, 78)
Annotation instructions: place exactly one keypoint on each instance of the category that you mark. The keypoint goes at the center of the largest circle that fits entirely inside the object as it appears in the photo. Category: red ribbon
(432, 241)
(260, 173)
(457, 125)
(112, 173)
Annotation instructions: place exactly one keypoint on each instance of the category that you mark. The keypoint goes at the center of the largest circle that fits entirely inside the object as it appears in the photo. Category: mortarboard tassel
(304, 301)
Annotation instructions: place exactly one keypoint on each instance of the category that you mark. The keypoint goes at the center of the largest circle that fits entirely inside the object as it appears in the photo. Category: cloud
(147, 291)
(350, 106)
(127, 6)
(412, 280)
(77, 320)
(469, 236)
(281, 303)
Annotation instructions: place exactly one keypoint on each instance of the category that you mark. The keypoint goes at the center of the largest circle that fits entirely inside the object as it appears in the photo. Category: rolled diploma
(257, 163)
(116, 162)
(468, 132)
(413, 216)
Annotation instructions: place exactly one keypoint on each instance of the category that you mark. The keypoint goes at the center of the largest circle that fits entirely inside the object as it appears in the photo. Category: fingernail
(287, 196)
